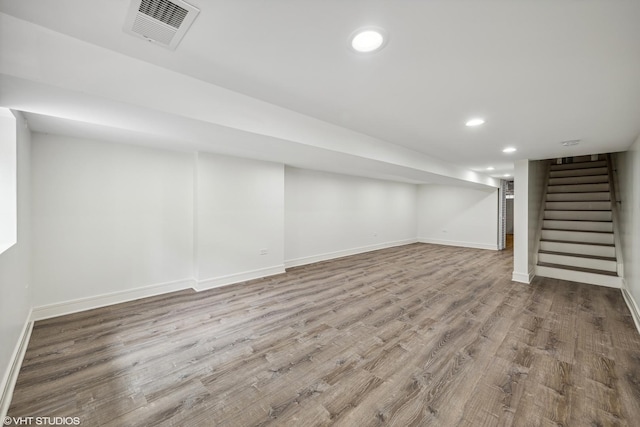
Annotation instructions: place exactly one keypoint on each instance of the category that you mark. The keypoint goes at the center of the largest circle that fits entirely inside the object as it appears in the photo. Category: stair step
(578, 248)
(579, 206)
(578, 236)
(577, 261)
(594, 257)
(579, 165)
(581, 269)
(578, 215)
(573, 197)
(589, 179)
(605, 226)
(578, 188)
(578, 172)
(579, 275)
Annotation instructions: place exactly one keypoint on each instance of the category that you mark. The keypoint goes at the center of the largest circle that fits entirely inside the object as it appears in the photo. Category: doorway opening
(505, 216)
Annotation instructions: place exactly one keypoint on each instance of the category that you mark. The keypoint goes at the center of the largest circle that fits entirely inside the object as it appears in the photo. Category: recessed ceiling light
(570, 142)
(475, 122)
(490, 168)
(509, 150)
(368, 40)
(506, 175)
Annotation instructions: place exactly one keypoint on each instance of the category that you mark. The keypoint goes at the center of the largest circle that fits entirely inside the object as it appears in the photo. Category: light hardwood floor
(409, 336)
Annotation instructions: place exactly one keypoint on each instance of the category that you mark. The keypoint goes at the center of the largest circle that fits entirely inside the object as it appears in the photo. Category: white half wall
(15, 276)
(628, 166)
(458, 216)
(108, 219)
(239, 219)
(329, 215)
(529, 179)
(537, 194)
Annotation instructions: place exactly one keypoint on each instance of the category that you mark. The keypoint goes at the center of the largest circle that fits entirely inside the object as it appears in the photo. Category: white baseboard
(11, 375)
(216, 282)
(473, 245)
(82, 304)
(633, 306)
(296, 262)
(523, 277)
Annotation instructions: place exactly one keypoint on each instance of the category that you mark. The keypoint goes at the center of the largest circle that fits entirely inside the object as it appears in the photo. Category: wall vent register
(162, 22)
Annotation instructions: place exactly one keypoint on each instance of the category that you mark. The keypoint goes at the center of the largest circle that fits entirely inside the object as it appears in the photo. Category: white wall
(329, 215)
(521, 271)
(529, 190)
(15, 290)
(113, 222)
(240, 212)
(628, 166)
(108, 219)
(458, 216)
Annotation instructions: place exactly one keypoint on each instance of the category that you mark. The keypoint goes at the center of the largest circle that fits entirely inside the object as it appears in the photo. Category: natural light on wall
(8, 182)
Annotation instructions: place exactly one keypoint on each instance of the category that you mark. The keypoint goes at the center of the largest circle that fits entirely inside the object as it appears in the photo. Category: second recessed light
(509, 150)
(368, 40)
(475, 122)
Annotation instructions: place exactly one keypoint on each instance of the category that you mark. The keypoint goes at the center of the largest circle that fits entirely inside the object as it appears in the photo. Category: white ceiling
(539, 72)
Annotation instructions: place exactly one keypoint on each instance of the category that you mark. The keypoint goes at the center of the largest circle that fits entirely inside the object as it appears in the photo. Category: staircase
(577, 240)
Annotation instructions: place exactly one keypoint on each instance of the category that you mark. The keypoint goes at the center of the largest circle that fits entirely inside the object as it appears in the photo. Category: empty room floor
(414, 335)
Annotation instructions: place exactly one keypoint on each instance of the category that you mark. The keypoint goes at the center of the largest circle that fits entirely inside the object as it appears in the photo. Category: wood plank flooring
(409, 336)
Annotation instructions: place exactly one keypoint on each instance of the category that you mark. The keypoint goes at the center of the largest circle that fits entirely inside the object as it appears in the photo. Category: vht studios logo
(41, 421)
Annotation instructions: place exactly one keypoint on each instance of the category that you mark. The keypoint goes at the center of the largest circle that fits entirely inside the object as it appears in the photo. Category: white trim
(523, 277)
(473, 245)
(11, 374)
(196, 244)
(633, 306)
(296, 262)
(82, 304)
(216, 282)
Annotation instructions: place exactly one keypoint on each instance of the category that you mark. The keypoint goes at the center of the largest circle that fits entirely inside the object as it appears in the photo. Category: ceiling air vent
(163, 22)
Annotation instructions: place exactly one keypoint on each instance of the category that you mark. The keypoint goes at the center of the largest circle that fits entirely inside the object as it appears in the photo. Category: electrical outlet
(264, 251)
(375, 234)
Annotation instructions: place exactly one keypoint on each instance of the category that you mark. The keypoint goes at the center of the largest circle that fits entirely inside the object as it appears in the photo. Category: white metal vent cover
(163, 22)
